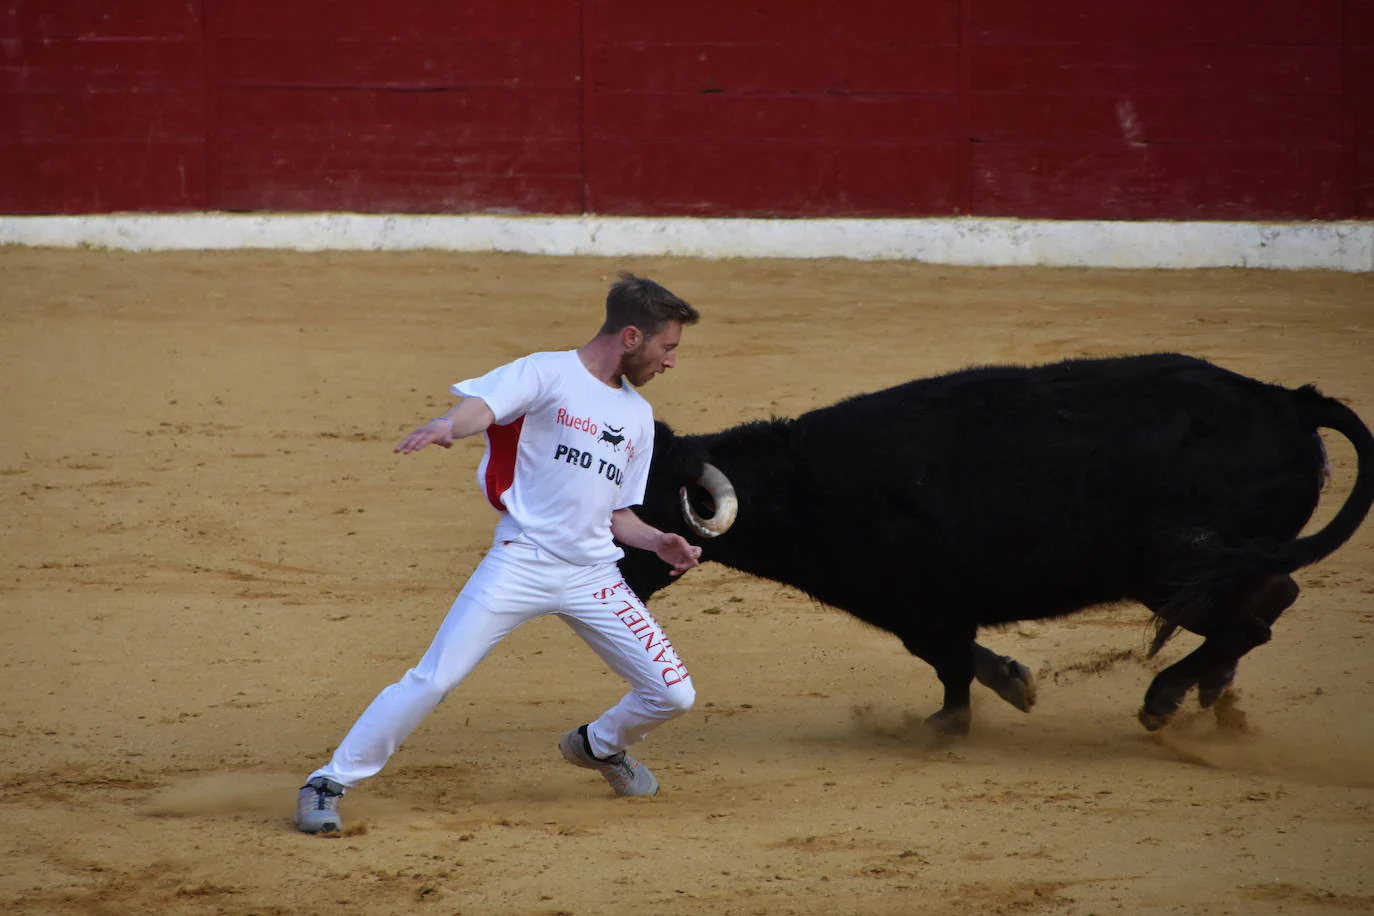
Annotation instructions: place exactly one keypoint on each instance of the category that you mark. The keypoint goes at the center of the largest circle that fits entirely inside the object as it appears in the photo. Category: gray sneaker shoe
(625, 774)
(317, 806)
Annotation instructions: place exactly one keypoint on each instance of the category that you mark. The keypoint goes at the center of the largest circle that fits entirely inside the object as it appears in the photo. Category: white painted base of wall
(1346, 246)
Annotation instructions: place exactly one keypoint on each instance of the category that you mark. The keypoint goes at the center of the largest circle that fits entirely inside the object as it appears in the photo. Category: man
(568, 444)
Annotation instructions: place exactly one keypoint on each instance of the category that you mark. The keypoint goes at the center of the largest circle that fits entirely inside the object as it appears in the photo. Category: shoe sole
(328, 826)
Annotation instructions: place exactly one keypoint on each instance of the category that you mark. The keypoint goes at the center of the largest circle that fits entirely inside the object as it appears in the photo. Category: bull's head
(685, 494)
(680, 466)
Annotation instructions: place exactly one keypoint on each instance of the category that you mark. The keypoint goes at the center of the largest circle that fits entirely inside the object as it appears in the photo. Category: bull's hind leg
(1211, 666)
(950, 653)
(1213, 684)
(1011, 680)
(1271, 598)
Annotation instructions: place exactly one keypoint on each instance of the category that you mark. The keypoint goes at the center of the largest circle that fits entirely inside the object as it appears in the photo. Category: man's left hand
(677, 552)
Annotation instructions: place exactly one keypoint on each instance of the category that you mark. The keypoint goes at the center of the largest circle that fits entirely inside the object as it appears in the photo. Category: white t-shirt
(566, 450)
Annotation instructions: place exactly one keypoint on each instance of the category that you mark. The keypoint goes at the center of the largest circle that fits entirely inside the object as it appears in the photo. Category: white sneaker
(625, 774)
(317, 806)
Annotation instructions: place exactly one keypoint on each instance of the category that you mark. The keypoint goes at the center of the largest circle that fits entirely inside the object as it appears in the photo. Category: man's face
(653, 355)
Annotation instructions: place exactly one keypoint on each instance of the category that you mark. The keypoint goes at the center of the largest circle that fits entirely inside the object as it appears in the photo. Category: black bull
(991, 495)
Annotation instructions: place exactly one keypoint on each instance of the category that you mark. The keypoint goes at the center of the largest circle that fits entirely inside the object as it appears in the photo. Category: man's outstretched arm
(468, 416)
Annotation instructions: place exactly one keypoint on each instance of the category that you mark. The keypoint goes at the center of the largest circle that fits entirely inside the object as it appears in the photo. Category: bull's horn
(722, 493)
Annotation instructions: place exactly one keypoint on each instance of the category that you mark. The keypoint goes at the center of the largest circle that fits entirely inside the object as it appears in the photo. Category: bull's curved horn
(722, 493)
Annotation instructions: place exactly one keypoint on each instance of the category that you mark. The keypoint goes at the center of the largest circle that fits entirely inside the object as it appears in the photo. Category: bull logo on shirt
(613, 436)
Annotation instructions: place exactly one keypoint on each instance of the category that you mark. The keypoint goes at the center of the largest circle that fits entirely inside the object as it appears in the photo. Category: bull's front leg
(1011, 680)
(950, 653)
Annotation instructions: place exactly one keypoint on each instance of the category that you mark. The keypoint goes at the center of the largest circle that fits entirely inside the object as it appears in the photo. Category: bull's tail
(1233, 567)
(1328, 413)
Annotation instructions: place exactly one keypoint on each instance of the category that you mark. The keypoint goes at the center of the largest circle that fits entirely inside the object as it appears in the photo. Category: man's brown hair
(645, 304)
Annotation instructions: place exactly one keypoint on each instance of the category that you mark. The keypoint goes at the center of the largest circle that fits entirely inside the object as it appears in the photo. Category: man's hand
(675, 550)
(438, 431)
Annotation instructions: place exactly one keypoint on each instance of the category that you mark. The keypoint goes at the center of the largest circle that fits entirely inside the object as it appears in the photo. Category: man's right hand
(438, 431)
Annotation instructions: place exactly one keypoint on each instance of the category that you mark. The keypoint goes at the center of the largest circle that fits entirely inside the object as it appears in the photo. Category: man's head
(647, 321)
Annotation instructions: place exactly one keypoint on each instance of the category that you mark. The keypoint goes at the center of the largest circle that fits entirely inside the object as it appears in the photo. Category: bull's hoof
(1230, 717)
(1011, 680)
(950, 723)
(1160, 705)
(1153, 721)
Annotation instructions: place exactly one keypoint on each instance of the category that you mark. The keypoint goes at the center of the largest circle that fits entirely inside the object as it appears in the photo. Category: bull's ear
(668, 450)
(677, 459)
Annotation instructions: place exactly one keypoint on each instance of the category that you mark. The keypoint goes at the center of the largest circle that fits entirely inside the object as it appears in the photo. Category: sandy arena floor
(213, 561)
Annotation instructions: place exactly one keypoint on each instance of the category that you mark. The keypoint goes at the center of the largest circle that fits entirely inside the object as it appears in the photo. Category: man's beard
(635, 367)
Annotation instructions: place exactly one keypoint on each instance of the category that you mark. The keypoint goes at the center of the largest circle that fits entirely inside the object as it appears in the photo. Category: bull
(942, 506)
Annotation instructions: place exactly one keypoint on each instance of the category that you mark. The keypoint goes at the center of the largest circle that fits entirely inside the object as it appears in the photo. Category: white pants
(514, 583)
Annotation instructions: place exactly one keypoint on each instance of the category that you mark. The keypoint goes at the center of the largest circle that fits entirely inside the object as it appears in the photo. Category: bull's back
(1058, 486)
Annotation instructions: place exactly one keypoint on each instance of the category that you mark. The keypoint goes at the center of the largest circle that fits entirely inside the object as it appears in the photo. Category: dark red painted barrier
(791, 107)
(1248, 109)
(101, 109)
(408, 106)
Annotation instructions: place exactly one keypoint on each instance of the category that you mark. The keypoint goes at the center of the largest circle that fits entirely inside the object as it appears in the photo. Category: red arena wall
(1231, 109)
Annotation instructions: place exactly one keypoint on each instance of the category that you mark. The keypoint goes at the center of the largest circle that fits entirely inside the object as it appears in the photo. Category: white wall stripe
(1344, 246)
